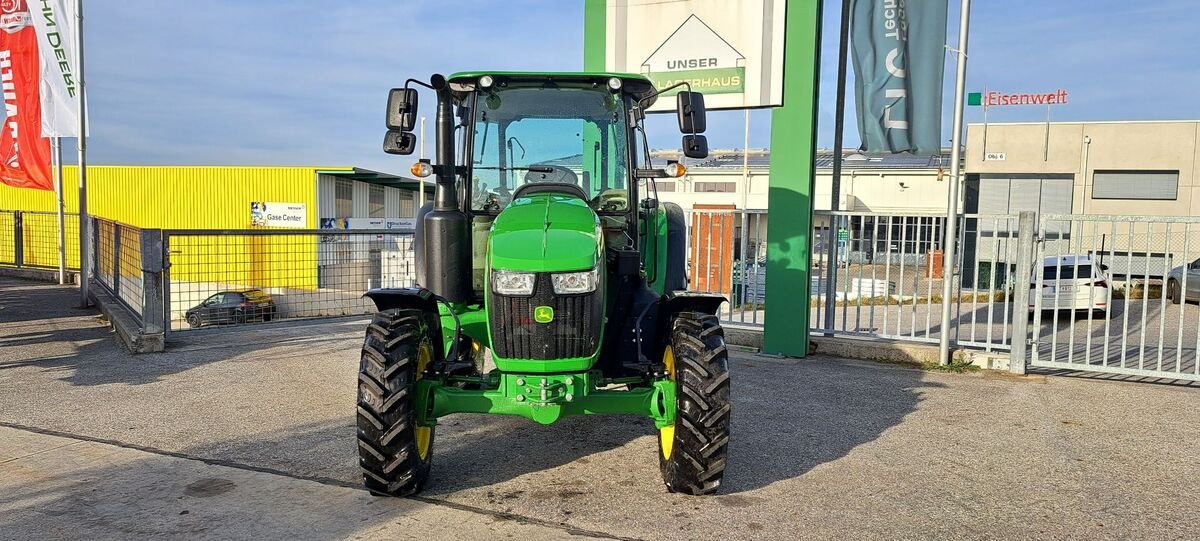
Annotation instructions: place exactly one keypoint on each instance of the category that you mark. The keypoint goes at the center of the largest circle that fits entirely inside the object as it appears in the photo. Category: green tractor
(551, 282)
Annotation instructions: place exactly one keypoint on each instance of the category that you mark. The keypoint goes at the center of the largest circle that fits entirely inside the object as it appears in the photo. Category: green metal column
(594, 23)
(595, 26)
(789, 200)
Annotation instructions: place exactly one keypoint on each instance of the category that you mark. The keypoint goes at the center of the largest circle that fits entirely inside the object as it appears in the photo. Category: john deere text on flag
(55, 21)
(24, 153)
(899, 55)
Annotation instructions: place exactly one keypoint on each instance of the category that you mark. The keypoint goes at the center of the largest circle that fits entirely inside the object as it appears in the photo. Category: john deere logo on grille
(543, 314)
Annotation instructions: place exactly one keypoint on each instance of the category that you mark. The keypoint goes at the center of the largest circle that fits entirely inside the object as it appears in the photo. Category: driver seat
(564, 188)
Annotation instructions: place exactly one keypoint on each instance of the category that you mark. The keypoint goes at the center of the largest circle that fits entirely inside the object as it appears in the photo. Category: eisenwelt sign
(994, 98)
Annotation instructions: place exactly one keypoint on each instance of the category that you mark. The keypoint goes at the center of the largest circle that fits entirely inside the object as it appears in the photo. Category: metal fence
(727, 254)
(232, 277)
(117, 262)
(29, 239)
(886, 278)
(1110, 294)
(1116, 294)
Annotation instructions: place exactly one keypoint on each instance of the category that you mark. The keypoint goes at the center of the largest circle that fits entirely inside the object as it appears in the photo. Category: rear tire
(394, 453)
(692, 453)
(1173, 292)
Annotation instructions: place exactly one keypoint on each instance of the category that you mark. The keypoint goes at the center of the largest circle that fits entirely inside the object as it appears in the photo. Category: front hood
(545, 232)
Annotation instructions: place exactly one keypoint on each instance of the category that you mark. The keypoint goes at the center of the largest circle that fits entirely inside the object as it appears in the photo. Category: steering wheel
(557, 174)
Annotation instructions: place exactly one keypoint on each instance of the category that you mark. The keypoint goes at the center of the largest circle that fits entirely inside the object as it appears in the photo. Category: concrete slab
(86, 490)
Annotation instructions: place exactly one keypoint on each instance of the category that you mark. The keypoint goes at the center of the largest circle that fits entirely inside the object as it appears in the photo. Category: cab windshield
(539, 133)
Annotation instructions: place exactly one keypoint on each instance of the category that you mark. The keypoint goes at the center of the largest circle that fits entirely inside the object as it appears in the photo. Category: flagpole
(81, 146)
(56, 159)
(960, 96)
(835, 185)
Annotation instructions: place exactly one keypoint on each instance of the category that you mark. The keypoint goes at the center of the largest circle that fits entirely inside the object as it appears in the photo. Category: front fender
(414, 298)
(690, 301)
(417, 298)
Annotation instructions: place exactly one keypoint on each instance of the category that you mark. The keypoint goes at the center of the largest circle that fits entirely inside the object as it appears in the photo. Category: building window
(1145, 185)
(665, 186)
(716, 187)
(376, 201)
(343, 198)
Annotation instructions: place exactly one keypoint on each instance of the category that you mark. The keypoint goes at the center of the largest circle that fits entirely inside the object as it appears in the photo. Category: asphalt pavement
(251, 431)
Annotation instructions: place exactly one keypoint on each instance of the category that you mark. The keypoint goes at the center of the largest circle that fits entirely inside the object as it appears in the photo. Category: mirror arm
(642, 102)
(421, 83)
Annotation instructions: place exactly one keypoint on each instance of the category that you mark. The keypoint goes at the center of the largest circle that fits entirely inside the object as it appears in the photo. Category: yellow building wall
(185, 197)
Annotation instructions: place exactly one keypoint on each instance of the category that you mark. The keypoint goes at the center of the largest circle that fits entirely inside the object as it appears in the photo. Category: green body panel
(473, 320)
(545, 398)
(643, 87)
(654, 251)
(454, 77)
(545, 232)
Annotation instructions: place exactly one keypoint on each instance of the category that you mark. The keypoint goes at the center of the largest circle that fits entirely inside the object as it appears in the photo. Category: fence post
(166, 282)
(1026, 233)
(93, 257)
(116, 262)
(153, 305)
(18, 239)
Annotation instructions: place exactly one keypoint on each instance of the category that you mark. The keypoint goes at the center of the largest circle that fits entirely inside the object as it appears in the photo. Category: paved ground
(822, 448)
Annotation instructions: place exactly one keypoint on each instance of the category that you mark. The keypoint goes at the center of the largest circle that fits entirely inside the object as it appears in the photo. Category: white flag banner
(55, 21)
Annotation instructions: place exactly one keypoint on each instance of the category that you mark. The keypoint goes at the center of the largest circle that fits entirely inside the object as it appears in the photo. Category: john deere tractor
(550, 280)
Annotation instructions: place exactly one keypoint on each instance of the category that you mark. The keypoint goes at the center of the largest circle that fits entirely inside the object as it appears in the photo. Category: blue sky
(304, 81)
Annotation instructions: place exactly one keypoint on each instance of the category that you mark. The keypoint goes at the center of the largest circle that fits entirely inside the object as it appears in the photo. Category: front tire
(692, 452)
(1173, 292)
(194, 321)
(394, 453)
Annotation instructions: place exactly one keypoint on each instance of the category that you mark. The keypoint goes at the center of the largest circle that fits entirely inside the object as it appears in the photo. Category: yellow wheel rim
(424, 434)
(666, 434)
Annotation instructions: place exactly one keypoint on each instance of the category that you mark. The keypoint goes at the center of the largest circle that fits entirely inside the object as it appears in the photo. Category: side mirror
(401, 109)
(399, 142)
(695, 146)
(689, 106)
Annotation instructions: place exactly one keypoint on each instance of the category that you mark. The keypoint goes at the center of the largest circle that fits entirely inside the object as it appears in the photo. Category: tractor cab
(551, 281)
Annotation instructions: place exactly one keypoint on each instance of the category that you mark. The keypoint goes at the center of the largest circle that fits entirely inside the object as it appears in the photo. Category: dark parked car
(237, 306)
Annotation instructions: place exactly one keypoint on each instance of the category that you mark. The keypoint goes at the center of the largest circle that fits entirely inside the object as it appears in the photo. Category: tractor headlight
(566, 283)
(512, 283)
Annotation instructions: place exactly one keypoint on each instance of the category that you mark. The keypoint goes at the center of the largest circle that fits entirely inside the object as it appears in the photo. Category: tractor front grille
(574, 332)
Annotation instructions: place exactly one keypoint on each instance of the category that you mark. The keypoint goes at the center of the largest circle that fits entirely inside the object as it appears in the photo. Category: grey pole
(56, 158)
(839, 124)
(955, 178)
(1026, 233)
(81, 145)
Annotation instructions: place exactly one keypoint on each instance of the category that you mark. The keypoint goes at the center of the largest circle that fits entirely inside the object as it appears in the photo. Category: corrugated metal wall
(171, 197)
(397, 202)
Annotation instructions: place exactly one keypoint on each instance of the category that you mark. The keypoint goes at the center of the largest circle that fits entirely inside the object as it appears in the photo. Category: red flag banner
(24, 153)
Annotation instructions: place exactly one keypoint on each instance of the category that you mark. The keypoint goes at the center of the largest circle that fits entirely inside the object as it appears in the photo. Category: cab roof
(637, 85)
